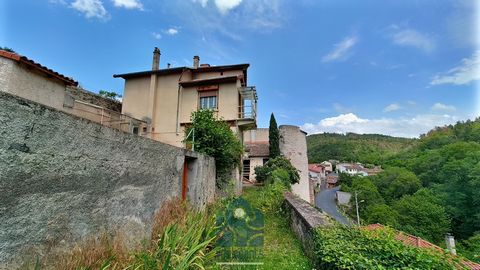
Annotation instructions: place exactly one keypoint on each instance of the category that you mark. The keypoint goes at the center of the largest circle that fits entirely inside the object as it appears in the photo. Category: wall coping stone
(313, 217)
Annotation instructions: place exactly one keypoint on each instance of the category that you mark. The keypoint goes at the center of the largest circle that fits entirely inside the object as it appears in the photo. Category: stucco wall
(254, 162)
(20, 81)
(293, 145)
(256, 135)
(63, 178)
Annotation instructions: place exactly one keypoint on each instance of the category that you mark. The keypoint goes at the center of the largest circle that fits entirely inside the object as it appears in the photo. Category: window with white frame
(208, 100)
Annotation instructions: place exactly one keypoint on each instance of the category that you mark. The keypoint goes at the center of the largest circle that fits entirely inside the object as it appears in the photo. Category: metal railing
(248, 101)
(106, 117)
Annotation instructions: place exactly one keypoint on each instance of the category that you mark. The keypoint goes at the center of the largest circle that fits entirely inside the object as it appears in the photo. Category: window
(208, 100)
(135, 130)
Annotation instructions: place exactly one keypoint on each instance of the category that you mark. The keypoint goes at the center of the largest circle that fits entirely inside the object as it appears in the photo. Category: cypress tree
(273, 137)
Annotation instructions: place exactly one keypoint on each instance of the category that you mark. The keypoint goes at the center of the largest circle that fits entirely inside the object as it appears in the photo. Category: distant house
(332, 180)
(351, 169)
(373, 171)
(30, 80)
(316, 171)
(328, 166)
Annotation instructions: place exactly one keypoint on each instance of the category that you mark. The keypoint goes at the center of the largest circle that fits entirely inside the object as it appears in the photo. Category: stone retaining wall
(63, 178)
(304, 220)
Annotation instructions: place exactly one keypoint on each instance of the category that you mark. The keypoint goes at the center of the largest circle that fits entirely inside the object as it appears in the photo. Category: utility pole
(356, 205)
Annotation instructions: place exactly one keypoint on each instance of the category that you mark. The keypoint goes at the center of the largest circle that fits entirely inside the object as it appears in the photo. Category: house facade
(351, 169)
(30, 80)
(257, 152)
(165, 98)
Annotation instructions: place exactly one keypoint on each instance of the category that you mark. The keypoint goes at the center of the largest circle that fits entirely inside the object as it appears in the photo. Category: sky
(390, 67)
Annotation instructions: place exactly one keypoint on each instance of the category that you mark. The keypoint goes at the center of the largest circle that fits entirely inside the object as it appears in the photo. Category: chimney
(156, 59)
(168, 65)
(450, 241)
(196, 61)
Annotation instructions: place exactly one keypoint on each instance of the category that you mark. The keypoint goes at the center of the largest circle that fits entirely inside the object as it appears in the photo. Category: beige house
(165, 98)
(257, 152)
(293, 146)
(30, 80)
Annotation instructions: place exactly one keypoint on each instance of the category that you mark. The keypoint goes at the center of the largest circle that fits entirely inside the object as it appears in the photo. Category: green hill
(367, 148)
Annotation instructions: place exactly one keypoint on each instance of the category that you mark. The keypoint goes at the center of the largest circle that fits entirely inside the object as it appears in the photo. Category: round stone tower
(293, 145)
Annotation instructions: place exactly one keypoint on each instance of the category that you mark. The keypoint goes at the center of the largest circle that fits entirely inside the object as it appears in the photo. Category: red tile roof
(318, 168)
(38, 67)
(416, 241)
(258, 149)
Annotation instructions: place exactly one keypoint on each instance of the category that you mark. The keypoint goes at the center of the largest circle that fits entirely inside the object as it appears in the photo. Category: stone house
(166, 97)
(293, 146)
(25, 78)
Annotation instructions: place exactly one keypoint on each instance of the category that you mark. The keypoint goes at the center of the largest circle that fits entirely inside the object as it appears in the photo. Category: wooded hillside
(368, 148)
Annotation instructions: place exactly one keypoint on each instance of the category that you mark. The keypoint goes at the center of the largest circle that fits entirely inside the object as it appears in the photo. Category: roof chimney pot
(196, 61)
(156, 59)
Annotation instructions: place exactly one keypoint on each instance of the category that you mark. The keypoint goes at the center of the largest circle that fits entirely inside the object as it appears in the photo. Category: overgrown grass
(282, 250)
(181, 239)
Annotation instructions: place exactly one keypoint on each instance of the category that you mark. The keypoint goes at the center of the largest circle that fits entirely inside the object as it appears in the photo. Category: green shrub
(262, 173)
(215, 138)
(353, 248)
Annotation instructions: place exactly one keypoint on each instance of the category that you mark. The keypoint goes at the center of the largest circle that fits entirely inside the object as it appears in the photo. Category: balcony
(247, 110)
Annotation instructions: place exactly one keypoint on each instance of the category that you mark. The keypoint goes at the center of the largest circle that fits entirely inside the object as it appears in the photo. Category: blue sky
(390, 67)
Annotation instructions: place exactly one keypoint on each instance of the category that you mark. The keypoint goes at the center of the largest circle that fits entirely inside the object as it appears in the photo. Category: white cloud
(224, 6)
(466, 72)
(401, 127)
(443, 107)
(171, 31)
(156, 35)
(128, 4)
(392, 107)
(341, 50)
(91, 8)
(413, 38)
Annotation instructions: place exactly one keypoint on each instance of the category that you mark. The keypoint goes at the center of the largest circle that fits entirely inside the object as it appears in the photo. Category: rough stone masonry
(63, 178)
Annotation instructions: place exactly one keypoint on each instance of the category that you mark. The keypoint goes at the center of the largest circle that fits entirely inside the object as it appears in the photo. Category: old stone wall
(93, 98)
(293, 145)
(304, 219)
(63, 178)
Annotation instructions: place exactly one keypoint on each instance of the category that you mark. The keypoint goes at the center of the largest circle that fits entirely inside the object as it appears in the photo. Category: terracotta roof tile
(416, 241)
(258, 149)
(37, 66)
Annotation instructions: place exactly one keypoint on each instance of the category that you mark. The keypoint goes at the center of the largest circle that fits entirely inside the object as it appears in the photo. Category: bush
(353, 248)
(215, 138)
(264, 172)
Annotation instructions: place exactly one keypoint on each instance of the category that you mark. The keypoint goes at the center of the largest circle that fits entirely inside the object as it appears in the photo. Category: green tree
(215, 138)
(273, 138)
(381, 213)
(109, 94)
(367, 192)
(265, 172)
(395, 182)
(421, 214)
(470, 248)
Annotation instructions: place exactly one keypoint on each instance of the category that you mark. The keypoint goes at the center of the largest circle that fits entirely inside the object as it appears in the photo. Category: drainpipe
(177, 126)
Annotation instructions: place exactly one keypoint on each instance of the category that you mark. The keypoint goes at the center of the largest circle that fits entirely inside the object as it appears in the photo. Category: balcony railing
(248, 103)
